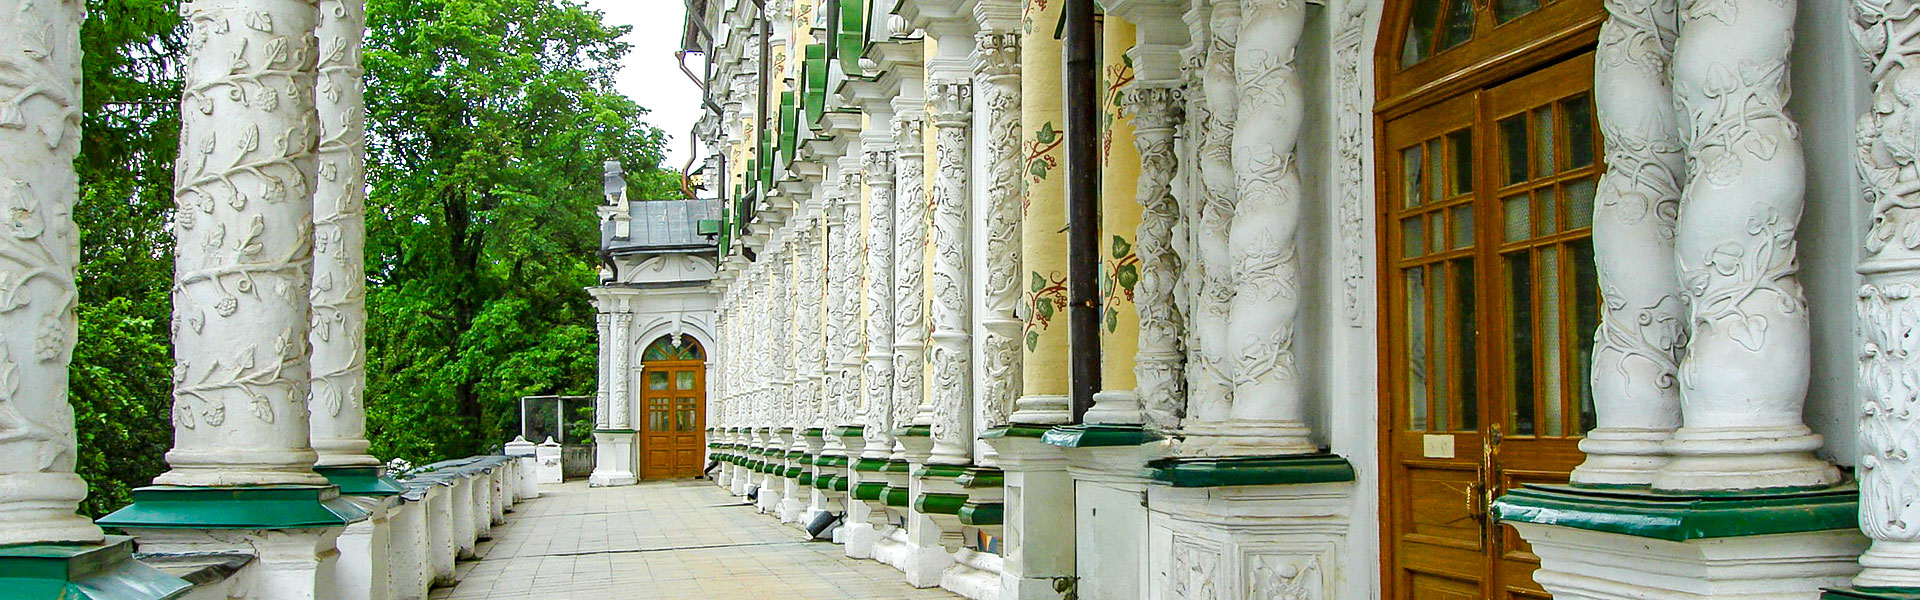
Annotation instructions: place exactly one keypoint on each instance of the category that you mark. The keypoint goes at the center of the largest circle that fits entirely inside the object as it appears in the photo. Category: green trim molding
(792, 472)
(981, 477)
(1872, 594)
(1256, 470)
(896, 496)
(103, 571)
(914, 431)
(873, 465)
(1098, 436)
(361, 481)
(1016, 430)
(940, 471)
(805, 479)
(982, 514)
(897, 466)
(869, 490)
(849, 431)
(253, 507)
(1681, 517)
(935, 503)
(814, 432)
(616, 431)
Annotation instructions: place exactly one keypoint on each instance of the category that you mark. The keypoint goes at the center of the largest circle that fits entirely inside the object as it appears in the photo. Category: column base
(1632, 544)
(1890, 566)
(974, 575)
(1239, 437)
(614, 458)
(1041, 409)
(102, 571)
(1116, 407)
(1622, 457)
(1720, 459)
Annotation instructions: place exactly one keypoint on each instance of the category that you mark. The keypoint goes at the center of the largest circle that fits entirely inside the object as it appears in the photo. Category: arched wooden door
(1489, 158)
(673, 400)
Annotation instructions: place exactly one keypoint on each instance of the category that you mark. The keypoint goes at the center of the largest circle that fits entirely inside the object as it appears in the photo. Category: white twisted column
(1889, 306)
(1744, 380)
(39, 250)
(603, 325)
(1159, 360)
(243, 231)
(997, 56)
(951, 106)
(1637, 347)
(909, 277)
(620, 402)
(879, 352)
(1209, 370)
(339, 295)
(843, 296)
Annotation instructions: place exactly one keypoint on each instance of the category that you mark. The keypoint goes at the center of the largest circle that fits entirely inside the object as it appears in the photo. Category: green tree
(488, 120)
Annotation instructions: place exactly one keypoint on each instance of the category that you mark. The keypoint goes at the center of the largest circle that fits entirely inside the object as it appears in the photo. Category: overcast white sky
(651, 76)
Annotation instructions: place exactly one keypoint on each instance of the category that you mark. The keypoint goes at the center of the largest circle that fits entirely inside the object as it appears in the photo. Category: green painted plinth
(259, 507)
(895, 496)
(1872, 594)
(981, 477)
(1016, 430)
(1257, 470)
(361, 481)
(982, 514)
(1098, 436)
(914, 431)
(934, 503)
(1682, 517)
(104, 571)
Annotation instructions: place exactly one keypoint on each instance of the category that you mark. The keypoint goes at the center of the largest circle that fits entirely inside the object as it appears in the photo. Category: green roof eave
(848, 37)
(253, 507)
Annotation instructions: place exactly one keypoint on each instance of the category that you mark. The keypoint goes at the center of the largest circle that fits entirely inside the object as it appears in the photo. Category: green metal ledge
(941, 471)
(1260, 470)
(814, 432)
(982, 514)
(104, 571)
(794, 454)
(839, 484)
(933, 503)
(896, 496)
(1872, 594)
(805, 479)
(623, 431)
(869, 465)
(804, 459)
(981, 477)
(262, 507)
(1098, 436)
(849, 431)
(361, 481)
(869, 490)
(823, 482)
(1016, 430)
(793, 472)
(897, 466)
(828, 460)
(1677, 517)
(914, 431)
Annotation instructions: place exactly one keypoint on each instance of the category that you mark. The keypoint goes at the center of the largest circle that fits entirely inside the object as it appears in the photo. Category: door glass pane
(1519, 266)
(1415, 180)
(1580, 203)
(656, 380)
(1416, 349)
(1543, 131)
(1459, 24)
(1426, 17)
(1508, 10)
(1413, 238)
(1442, 343)
(1462, 146)
(1436, 232)
(1513, 145)
(1580, 142)
(1550, 350)
(685, 414)
(1466, 408)
(1462, 226)
(1519, 218)
(1586, 314)
(1436, 174)
(657, 421)
(1546, 217)
(683, 380)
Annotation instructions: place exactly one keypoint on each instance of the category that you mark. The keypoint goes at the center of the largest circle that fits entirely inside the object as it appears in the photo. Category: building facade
(1341, 299)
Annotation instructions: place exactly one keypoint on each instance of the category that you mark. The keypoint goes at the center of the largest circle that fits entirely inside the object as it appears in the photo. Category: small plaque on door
(1437, 446)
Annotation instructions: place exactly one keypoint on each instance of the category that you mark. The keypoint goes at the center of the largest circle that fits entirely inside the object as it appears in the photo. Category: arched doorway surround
(1489, 159)
(673, 400)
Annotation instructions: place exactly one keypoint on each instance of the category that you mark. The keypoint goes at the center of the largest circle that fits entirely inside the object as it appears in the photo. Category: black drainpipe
(1083, 206)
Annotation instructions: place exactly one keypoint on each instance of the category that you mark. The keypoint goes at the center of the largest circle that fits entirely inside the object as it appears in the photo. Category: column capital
(950, 103)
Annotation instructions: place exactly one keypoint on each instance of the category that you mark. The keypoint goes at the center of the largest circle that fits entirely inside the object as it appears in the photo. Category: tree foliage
(488, 122)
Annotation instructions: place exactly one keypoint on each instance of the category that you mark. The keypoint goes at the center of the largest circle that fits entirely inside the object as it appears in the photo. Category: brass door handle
(1475, 508)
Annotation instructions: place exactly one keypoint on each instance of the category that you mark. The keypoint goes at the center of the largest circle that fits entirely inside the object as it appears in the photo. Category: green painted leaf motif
(1043, 308)
(1113, 321)
(1033, 340)
(1128, 276)
(1038, 169)
(1046, 134)
(1039, 283)
(1121, 248)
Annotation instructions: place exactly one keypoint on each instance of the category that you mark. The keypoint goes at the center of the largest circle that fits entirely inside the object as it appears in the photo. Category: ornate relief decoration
(1354, 113)
(997, 56)
(619, 399)
(1888, 32)
(1192, 575)
(603, 323)
(1159, 362)
(909, 293)
(951, 105)
(847, 269)
(1746, 367)
(879, 301)
(1209, 371)
(339, 323)
(39, 250)
(1285, 577)
(243, 228)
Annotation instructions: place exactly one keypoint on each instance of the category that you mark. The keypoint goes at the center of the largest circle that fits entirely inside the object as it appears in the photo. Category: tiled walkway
(680, 539)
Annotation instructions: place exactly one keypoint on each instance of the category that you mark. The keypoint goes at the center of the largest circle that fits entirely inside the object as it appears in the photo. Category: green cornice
(813, 77)
(982, 514)
(896, 496)
(1098, 436)
(869, 490)
(940, 471)
(914, 431)
(981, 477)
(1016, 430)
(846, 431)
(261, 507)
(103, 571)
(1872, 594)
(848, 41)
(1677, 517)
(361, 481)
(933, 503)
(1260, 470)
(869, 464)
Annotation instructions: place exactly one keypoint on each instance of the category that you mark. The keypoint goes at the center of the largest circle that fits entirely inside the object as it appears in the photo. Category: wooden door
(1492, 302)
(673, 424)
